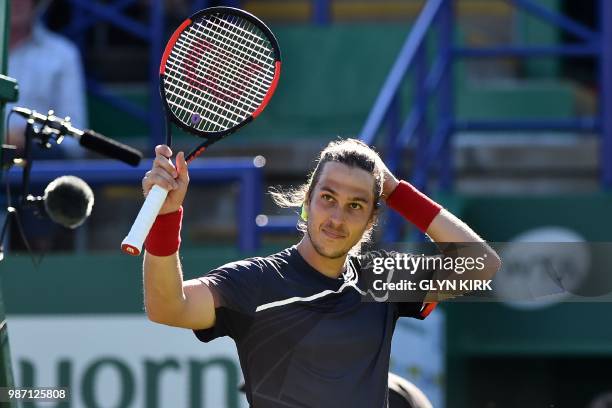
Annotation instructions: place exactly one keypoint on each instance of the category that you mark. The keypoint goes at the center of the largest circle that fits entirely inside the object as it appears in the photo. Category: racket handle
(132, 244)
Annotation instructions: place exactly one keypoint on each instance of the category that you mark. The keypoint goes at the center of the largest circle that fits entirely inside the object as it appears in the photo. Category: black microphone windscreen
(110, 148)
(68, 201)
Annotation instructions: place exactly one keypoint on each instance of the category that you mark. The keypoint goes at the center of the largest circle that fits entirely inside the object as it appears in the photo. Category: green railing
(8, 93)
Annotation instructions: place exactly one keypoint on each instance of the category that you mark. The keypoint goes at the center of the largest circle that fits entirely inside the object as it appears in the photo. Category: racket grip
(132, 244)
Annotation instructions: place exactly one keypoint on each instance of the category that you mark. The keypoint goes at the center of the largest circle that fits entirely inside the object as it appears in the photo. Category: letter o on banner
(126, 383)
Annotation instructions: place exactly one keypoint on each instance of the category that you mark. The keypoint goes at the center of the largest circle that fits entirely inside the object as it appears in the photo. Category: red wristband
(413, 205)
(164, 238)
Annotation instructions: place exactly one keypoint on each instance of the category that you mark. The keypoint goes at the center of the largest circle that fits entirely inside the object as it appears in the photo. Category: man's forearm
(163, 278)
(429, 216)
(163, 286)
(446, 227)
(455, 238)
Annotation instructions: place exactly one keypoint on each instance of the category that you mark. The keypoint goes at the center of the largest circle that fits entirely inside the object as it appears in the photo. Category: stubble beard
(321, 251)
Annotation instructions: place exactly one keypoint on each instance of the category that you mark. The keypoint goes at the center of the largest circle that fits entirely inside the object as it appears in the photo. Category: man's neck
(19, 36)
(332, 268)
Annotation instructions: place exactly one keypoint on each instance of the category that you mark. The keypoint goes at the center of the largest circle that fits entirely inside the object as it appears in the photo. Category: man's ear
(304, 211)
(307, 199)
(374, 217)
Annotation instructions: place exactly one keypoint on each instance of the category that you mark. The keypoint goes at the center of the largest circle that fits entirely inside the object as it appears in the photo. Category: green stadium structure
(8, 93)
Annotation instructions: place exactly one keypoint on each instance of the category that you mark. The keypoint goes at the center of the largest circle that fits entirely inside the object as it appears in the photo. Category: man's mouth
(333, 234)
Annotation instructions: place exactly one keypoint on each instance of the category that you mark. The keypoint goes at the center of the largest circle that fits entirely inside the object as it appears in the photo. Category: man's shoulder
(374, 253)
(54, 42)
(261, 264)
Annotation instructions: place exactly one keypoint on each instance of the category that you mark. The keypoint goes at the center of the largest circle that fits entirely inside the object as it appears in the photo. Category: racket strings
(267, 58)
(247, 29)
(204, 99)
(191, 101)
(237, 69)
(237, 58)
(185, 106)
(267, 64)
(222, 86)
(218, 57)
(233, 28)
(180, 89)
(199, 99)
(208, 118)
(240, 66)
(227, 116)
(188, 102)
(198, 90)
(230, 72)
(219, 111)
(229, 32)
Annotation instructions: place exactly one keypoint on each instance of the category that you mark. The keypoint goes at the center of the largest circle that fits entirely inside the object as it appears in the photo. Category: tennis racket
(218, 73)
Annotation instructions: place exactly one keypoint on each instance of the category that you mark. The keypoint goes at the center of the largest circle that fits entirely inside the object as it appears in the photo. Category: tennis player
(304, 336)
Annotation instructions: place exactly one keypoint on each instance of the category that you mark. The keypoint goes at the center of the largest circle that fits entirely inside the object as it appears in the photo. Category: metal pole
(421, 100)
(401, 65)
(419, 174)
(157, 34)
(392, 154)
(6, 371)
(249, 206)
(605, 91)
(392, 231)
(445, 96)
(321, 12)
(5, 10)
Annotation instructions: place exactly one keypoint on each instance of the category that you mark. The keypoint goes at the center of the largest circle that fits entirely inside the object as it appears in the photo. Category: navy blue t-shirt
(304, 339)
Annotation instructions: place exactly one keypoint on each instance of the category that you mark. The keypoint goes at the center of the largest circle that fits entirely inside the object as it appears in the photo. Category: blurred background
(500, 110)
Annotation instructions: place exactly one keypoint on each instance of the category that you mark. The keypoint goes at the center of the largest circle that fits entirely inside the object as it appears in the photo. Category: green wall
(94, 283)
(330, 79)
(492, 350)
(529, 358)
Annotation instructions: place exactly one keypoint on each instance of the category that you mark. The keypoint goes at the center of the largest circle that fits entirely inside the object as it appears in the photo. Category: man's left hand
(390, 181)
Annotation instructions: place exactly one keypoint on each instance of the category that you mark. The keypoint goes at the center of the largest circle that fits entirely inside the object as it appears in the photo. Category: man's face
(22, 13)
(340, 209)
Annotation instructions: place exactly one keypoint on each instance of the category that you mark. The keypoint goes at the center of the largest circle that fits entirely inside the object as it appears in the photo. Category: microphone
(88, 138)
(109, 147)
(68, 201)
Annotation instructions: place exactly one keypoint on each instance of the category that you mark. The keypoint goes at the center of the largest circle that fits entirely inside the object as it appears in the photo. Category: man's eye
(356, 206)
(327, 197)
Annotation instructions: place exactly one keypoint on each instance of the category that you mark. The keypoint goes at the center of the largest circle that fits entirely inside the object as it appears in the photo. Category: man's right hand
(166, 175)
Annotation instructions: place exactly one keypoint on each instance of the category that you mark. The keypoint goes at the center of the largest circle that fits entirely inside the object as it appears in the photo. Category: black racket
(218, 73)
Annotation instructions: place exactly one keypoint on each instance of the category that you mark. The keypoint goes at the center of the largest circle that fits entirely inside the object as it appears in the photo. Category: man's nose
(337, 216)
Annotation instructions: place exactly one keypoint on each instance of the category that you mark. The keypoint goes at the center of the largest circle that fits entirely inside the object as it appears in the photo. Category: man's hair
(351, 152)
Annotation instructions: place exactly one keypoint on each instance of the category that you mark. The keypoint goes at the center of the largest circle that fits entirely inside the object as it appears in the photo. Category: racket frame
(212, 137)
(132, 244)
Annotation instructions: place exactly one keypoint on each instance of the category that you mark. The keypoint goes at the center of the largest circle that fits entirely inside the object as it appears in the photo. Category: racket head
(218, 72)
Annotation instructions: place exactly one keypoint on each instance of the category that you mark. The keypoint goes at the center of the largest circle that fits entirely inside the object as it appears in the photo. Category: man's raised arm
(455, 238)
(168, 300)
